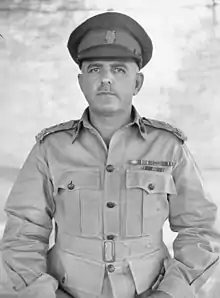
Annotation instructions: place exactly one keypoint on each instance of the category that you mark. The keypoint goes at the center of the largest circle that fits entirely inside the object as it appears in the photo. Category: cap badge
(110, 37)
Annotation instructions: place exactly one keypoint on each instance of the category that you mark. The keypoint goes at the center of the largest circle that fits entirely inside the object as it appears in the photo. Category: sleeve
(29, 208)
(193, 216)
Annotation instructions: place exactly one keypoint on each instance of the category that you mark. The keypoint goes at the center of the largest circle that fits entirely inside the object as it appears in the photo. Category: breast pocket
(78, 202)
(147, 204)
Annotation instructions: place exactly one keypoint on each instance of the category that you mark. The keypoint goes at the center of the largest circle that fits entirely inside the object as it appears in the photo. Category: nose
(106, 79)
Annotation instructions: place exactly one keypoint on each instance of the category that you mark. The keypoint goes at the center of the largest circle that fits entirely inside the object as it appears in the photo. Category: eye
(119, 70)
(93, 69)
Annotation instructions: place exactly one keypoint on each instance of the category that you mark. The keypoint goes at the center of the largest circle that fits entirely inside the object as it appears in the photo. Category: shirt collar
(85, 119)
(83, 122)
(136, 119)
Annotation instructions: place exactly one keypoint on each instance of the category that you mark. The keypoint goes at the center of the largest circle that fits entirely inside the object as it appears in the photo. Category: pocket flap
(79, 178)
(145, 271)
(76, 274)
(151, 182)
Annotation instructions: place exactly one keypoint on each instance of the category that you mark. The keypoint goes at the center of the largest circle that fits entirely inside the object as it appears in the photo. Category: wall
(38, 85)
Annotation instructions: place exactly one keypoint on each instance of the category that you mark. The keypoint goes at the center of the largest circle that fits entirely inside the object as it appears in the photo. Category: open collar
(136, 119)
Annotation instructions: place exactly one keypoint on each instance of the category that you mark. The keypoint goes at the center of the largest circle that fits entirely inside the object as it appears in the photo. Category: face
(109, 86)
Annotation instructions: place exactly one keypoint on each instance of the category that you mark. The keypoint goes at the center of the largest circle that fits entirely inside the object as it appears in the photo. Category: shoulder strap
(72, 124)
(165, 126)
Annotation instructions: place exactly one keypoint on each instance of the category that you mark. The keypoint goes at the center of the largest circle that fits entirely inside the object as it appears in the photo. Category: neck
(107, 125)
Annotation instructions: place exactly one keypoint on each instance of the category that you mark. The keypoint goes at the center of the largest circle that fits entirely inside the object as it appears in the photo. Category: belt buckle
(109, 251)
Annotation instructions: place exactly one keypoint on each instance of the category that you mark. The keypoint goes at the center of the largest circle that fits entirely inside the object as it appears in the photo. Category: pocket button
(151, 186)
(71, 186)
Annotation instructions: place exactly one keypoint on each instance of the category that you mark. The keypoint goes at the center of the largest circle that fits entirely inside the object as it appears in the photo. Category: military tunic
(109, 205)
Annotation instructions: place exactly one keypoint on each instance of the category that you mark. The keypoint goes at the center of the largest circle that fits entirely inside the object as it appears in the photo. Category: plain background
(38, 85)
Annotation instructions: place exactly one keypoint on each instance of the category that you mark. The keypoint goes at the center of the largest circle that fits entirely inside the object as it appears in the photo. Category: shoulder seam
(165, 126)
(72, 124)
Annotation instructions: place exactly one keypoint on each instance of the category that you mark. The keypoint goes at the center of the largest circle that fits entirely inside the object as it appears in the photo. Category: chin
(105, 109)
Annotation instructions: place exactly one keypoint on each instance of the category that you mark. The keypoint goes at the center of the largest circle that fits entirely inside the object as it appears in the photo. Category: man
(109, 180)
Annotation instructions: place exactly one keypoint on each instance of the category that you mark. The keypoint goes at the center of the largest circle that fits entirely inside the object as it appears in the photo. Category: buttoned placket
(111, 194)
(114, 167)
(112, 184)
(113, 203)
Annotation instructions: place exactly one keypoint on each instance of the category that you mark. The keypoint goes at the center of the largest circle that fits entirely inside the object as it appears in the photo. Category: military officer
(109, 180)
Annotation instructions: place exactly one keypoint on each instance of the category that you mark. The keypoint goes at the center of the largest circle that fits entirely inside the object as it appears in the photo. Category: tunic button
(71, 186)
(111, 268)
(110, 168)
(151, 186)
(63, 280)
(110, 204)
(110, 237)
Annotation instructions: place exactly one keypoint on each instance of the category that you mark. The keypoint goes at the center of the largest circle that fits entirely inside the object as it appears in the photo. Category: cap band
(110, 37)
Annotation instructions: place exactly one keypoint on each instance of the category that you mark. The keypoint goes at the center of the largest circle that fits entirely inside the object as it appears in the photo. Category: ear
(139, 82)
(80, 80)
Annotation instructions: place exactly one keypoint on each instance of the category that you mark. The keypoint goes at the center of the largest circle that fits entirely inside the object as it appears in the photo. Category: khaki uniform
(109, 207)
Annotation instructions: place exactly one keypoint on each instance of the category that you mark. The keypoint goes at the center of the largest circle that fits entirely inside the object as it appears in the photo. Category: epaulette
(72, 124)
(165, 126)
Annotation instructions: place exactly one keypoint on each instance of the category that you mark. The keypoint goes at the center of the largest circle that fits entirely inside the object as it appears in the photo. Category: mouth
(105, 93)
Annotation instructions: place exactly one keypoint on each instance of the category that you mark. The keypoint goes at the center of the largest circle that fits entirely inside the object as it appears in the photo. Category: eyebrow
(119, 64)
(114, 64)
(94, 65)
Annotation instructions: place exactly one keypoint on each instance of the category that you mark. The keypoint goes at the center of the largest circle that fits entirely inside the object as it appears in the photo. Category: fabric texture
(109, 206)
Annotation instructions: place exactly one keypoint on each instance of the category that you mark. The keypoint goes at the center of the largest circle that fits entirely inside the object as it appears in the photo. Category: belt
(109, 250)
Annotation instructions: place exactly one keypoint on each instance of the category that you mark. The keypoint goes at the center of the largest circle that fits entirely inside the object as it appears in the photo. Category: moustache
(106, 90)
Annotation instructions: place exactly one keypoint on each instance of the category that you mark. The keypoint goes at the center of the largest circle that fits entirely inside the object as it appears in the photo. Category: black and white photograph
(109, 149)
